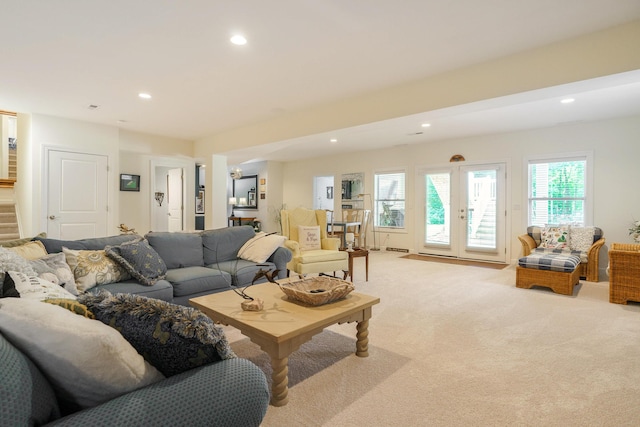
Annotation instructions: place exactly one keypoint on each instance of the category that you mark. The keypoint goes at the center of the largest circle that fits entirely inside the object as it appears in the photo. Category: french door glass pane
(438, 208)
(481, 209)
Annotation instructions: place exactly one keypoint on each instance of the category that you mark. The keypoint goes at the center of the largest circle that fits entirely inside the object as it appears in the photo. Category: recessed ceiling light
(238, 40)
(333, 140)
(567, 100)
(144, 95)
(426, 125)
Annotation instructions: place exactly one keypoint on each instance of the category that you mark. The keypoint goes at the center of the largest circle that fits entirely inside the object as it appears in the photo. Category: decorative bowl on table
(316, 290)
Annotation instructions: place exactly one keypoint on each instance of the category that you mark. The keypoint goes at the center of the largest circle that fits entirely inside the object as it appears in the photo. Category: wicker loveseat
(589, 259)
(624, 273)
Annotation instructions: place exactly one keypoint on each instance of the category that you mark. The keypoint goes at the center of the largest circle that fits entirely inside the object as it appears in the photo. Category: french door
(463, 211)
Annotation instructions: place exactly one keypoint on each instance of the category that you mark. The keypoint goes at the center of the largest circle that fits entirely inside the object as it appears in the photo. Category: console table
(240, 220)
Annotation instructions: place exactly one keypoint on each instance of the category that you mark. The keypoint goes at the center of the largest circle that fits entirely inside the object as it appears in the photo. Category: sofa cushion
(27, 397)
(86, 361)
(91, 244)
(192, 280)
(93, 267)
(309, 237)
(55, 269)
(177, 249)
(140, 260)
(172, 338)
(223, 244)
(242, 271)
(162, 289)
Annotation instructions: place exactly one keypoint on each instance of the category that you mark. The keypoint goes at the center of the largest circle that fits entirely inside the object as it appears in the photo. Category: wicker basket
(317, 290)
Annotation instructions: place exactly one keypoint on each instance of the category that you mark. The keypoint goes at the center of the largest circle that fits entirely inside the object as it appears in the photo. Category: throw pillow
(92, 268)
(30, 250)
(72, 305)
(309, 237)
(556, 237)
(140, 260)
(10, 260)
(18, 242)
(581, 238)
(171, 337)
(33, 287)
(86, 361)
(9, 288)
(55, 269)
(259, 248)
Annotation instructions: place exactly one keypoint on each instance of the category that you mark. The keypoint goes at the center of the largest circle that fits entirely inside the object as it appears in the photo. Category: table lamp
(232, 201)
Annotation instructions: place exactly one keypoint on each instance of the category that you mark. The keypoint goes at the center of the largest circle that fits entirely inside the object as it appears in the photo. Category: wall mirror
(9, 147)
(352, 187)
(244, 190)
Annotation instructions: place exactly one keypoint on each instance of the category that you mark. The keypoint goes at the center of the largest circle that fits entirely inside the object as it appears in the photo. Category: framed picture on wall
(129, 182)
(200, 202)
(329, 192)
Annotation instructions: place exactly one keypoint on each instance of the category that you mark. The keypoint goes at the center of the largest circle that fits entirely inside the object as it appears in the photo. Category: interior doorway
(323, 192)
(168, 215)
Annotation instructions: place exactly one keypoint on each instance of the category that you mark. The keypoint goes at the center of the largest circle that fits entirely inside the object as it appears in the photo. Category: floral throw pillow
(556, 237)
(92, 268)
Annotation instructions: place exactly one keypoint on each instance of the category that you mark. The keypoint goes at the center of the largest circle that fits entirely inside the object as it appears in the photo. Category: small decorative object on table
(316, 290)
(255, 304)
(350, 238)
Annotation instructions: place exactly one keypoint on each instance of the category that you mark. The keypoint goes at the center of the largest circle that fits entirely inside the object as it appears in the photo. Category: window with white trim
(389, 204)
(558, 191)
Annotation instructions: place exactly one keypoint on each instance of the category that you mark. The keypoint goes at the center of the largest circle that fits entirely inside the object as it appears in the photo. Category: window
(389, 205)
(558, 191)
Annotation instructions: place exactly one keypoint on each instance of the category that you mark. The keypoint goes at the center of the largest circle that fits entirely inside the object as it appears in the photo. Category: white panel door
(77, 190)
(174, 199)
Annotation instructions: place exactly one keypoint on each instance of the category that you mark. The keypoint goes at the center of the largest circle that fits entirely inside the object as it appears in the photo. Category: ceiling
(61, 56)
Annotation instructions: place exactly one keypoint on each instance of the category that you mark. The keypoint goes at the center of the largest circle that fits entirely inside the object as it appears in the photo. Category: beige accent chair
(327, 259)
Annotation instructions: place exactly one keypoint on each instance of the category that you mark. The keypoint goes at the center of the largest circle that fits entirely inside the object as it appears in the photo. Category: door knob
(52, 217)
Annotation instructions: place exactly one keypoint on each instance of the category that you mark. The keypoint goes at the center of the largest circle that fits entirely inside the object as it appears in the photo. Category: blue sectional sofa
(227, 392)
(197, 263)
(231, 392)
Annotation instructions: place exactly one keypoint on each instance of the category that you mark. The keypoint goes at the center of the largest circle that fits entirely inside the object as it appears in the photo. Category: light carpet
(453, 345)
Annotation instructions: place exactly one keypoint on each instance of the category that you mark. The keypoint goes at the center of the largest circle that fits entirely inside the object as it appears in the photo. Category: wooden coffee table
(283, 325)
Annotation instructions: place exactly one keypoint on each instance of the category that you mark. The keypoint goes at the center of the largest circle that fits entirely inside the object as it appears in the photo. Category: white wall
(127, 152)
(614, 144)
